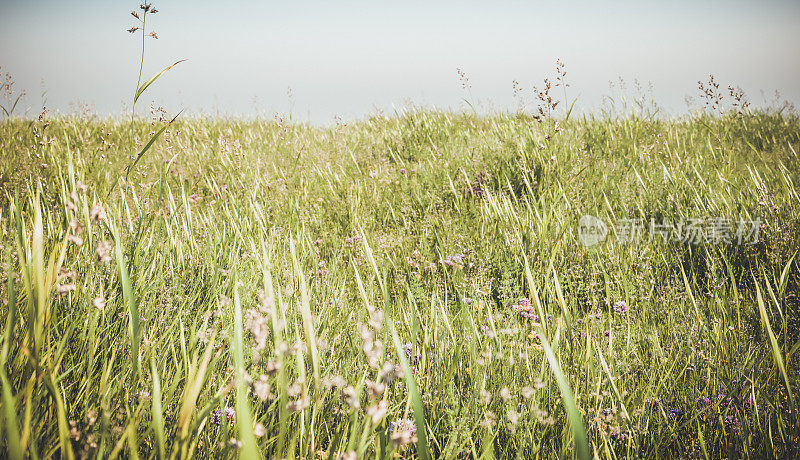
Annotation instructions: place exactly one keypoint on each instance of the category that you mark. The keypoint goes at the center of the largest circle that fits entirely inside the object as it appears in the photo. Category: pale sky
(354, 58)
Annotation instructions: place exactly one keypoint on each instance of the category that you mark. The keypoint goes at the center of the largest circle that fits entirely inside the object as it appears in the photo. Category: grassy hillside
(410, 286)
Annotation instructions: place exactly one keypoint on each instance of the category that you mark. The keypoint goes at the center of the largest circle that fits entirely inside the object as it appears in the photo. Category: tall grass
(439, 221)
(404, 287)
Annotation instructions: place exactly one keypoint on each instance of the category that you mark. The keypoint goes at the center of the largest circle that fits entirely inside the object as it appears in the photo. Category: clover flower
(525, 310)
(403, 431)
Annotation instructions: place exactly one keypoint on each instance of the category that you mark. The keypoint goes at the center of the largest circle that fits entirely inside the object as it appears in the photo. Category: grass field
(410, 286)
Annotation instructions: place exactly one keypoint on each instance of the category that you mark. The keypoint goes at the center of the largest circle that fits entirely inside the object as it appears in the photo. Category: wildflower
(389, 372)
(294, 390)
(349, 455)
(335, 381)
(413, 353)
(621, 307)
(750, 405)
(103, 251)
(652, 403)
(524, 309)
(403, 431)
(454, 260)
(527, 392)
(375, 389)
(732, 424)
(75, 239)
(403, 171)
(618, 436)
(675, 414)
(486, 397)
(377, 411)
(262, 388)
(703, 404)
(97, 214)
(542, 416)
(139, 396)
(513, 417)
(351, 397)
(505, 393)
(235, 444)
(74, 433)
(489, 419)
(259, 430)
(99, 303)
(65, 289)
(272, 367)
(258, 326)
(724, 401)
(230, 416)
(298, 405)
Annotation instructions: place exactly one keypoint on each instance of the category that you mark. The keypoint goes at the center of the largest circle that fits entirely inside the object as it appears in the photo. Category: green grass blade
(575, 419)
(776, 351)
(149, 82)
(416, 400)
(244, 419)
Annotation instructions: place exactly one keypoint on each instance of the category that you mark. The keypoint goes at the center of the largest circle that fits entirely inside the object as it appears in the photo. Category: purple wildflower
(403, 425)
(732, 424)
(750, 405)
(413, 353)
(621, 307)
(524, 309)
(676, 414)
(724, 401)
(618, 437)
(652, 403)
(230, 416)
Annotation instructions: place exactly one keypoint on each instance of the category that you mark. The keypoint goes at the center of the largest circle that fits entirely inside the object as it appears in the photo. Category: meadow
(431, 284)
(408, 286)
